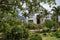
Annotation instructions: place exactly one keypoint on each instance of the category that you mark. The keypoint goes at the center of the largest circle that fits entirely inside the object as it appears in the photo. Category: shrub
(16, 33)
(40, 26)
(32, 25)
(56, 34)
(35, 37)
(49, 24)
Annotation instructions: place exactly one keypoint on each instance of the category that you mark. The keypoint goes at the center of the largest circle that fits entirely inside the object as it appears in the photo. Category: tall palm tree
(56, 13)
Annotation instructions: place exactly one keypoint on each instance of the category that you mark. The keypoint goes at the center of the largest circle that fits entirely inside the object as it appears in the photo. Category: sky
(58, 2)
(46, 6)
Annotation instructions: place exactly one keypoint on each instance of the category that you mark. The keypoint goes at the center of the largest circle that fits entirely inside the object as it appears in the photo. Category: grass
(50, 38)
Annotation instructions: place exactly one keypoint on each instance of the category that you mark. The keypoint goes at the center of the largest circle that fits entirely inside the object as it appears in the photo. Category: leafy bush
(49, 23)
(55, 34)
(16, 33)
(35, 37)
(32, 25)
(40, 26)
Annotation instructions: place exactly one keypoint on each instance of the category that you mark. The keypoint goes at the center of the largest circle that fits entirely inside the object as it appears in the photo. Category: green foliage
(36, 37)
(34, 4)
(40, 26)
(14, 29)
(49, 23)
(8, 23)
(32, 25)
(57, 34)
(38, 17)
(8, 12)
(25, 15)
(8, 16)
(16, 33)
(46, 12)
(56, 10)
(56, 13)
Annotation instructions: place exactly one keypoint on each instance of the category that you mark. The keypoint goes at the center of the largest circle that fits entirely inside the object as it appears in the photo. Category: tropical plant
(8, 12)
(46, 12)
(49, 24)
(56, 13)
(36, 37)
(38, 17)
(32, 25)
(56, 34)
(16, 33)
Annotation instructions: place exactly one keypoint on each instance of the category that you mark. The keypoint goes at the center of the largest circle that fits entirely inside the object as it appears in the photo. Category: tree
(56, 13)
(30, 5)
(46, 12)
(8, 11)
